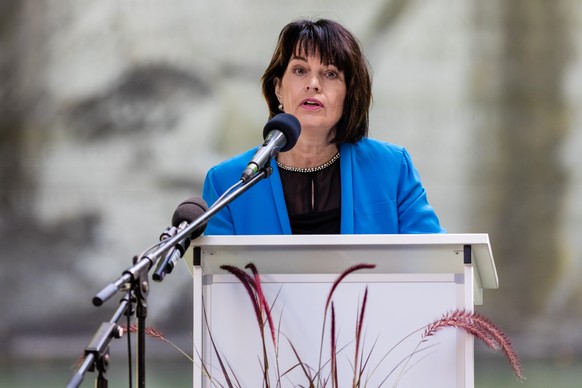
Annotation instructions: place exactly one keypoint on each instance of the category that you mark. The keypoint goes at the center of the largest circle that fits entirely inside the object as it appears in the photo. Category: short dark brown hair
(335, 45)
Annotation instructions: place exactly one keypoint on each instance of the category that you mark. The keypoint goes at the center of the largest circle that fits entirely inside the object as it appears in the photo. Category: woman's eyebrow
(298, 57)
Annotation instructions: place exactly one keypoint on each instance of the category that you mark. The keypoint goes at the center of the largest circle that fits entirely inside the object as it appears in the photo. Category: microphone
(280, 134)
(186, 212)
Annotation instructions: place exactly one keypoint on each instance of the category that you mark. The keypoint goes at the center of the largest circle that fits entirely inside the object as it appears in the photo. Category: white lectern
(417, 279)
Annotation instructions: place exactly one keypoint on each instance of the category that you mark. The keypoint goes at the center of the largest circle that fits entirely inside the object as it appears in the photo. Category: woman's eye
(331, 75)
(299, 71)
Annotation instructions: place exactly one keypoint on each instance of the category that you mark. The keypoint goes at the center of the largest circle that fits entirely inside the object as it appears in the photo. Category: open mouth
(312, 103)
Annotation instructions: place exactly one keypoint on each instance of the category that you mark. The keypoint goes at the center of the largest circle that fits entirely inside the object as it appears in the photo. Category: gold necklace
(309, 169)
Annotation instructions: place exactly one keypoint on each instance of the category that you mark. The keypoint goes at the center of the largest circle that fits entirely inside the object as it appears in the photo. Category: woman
(335, 179)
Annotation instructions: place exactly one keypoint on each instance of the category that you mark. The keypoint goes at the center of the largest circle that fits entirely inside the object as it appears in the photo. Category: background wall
(112, 111)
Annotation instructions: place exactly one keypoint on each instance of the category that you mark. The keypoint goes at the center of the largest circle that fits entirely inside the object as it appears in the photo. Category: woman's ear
(278, 93)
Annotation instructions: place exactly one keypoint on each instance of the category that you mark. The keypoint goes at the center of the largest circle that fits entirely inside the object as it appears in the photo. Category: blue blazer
(381, 193)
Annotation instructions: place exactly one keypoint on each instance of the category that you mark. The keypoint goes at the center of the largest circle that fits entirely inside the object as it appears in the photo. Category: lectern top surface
(411, 253)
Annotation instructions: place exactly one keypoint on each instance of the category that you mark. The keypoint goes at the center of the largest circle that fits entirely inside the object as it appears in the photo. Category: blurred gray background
(112, 111)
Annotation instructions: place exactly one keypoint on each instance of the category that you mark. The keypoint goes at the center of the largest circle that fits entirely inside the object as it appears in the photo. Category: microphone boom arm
(147, 261)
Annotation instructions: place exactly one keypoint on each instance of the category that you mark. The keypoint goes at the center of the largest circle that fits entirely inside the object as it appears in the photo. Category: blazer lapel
(347, 190)
(279, 198)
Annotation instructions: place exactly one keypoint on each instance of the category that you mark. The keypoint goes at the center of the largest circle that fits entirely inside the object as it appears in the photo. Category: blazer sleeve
(415, 214)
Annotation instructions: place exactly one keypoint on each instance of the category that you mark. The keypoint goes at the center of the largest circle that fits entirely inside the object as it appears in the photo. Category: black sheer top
(313, 200)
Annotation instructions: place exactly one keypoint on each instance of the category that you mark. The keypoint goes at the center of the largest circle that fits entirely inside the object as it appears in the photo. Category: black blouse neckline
(313, 199)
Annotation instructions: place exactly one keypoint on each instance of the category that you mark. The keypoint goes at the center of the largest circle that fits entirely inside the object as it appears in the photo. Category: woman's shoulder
(235, 164)
(378, 148)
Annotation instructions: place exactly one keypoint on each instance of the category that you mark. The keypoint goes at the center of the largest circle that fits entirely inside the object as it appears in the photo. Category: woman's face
(314, 93)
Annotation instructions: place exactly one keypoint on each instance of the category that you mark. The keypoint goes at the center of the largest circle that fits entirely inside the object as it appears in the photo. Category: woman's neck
(307, 155)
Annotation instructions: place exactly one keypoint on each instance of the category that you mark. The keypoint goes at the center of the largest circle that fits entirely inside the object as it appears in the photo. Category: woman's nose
(313, 83)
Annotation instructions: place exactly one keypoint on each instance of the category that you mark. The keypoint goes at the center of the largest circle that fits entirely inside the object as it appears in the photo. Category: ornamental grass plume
(156, 334)
(359, 370)
(252, 285)
(255, 292)
(481, 328)
(328, 301)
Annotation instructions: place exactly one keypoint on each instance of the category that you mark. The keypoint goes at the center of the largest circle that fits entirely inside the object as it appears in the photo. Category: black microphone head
(286, 123)
(189, 210)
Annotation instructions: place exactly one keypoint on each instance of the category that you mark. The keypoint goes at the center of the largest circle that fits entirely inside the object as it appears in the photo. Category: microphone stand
(135, 278)
(96, 354)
